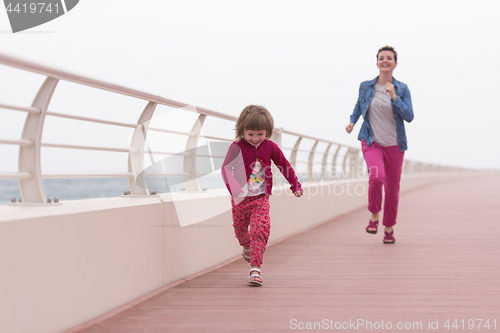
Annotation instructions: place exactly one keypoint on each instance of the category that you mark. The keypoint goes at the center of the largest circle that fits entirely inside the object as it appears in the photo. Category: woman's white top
(382, 119)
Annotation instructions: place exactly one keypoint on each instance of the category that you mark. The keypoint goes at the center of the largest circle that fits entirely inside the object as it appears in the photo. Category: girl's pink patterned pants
(252, 225)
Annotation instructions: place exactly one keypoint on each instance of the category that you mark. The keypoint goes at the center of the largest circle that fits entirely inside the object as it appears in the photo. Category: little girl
(246, 171)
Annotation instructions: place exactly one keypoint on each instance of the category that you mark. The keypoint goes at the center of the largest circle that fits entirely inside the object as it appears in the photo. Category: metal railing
(338, 161)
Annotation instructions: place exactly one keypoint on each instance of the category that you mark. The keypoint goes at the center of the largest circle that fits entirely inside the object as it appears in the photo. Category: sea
(88, 188)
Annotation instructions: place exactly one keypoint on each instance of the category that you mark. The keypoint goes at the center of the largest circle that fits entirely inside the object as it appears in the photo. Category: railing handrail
(87, 80)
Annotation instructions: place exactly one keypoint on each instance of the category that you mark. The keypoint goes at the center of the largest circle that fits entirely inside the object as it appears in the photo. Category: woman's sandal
(255, 279)
(246, 254)
(372, 225)
(389, 237)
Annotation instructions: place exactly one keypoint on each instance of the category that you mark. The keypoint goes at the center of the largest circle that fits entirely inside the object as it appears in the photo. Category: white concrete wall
(64, 265)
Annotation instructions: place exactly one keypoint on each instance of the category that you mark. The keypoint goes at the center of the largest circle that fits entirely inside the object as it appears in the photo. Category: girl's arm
(403, 106)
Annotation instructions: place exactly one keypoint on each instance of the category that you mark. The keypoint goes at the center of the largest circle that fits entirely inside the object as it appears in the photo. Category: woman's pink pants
(384, 169)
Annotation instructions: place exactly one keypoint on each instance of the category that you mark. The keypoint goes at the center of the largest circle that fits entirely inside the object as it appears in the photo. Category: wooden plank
(443, 266)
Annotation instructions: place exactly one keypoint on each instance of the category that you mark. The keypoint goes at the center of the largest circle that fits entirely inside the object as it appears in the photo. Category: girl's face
(386, 61)
(254, 137)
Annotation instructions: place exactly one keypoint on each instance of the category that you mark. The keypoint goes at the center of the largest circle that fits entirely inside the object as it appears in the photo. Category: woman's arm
(403, 106)
(356, 113)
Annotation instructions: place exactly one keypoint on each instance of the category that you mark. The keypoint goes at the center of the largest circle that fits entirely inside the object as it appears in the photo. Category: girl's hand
(349, 128)
(389, 88)
(298, 194)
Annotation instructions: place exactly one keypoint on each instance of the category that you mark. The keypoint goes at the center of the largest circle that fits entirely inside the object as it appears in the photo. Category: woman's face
(386, 62)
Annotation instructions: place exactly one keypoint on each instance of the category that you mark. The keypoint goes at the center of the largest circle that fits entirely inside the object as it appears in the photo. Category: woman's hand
(349, 128)
(298, 194)
(389, 88)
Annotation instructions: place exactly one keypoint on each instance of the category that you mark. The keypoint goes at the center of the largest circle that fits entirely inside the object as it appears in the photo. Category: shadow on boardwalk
(444, 266)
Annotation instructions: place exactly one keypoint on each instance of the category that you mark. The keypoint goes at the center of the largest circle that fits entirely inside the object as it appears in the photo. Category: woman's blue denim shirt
(401, 108)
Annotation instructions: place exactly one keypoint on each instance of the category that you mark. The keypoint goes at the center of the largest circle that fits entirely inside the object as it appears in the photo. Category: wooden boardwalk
(445, 265)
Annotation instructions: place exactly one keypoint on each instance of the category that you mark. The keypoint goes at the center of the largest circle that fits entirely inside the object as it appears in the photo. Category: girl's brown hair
(254, 118)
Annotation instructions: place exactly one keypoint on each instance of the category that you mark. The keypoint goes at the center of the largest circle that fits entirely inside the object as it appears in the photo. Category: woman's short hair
(254, 118)
(388, 48)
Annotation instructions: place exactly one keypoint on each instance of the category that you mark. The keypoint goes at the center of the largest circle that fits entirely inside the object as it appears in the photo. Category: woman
(384, 103)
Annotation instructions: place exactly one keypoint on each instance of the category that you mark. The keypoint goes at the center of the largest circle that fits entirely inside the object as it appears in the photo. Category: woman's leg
(393, 159)
(374, 158)
(260, 227)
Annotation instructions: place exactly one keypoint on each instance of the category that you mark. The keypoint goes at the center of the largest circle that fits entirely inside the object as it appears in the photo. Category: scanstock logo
(28, 14)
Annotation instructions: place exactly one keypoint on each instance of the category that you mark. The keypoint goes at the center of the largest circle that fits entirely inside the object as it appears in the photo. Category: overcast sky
(303, 60)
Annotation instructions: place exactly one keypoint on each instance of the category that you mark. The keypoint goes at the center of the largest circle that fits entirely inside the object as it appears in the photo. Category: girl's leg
(260, 227)
(241, 220)
(375, 164)
(393, 158)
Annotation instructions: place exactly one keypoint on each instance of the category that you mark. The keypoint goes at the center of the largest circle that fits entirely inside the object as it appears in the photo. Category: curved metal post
(293, 157)
(405, 167)
(416, 167)
(310, 160)
(32, 189)
(413, 168)
(324, 173)
(190, 160)
(334, 163)
(136, 159)
(353, 157)
(356, 165)
(344, 164)
(363, 166)
(408, 166)
(276, 138)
